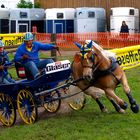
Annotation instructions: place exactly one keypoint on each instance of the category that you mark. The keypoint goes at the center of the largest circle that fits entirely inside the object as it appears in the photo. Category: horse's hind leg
(126, 88)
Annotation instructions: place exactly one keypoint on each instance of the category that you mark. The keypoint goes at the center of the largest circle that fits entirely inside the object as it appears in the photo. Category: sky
(11, 3)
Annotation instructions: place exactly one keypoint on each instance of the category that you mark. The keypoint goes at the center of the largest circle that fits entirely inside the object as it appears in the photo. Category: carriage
(27, 95)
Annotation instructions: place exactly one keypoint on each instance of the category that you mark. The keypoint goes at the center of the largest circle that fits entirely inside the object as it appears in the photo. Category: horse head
(92, 58)
(86, 57)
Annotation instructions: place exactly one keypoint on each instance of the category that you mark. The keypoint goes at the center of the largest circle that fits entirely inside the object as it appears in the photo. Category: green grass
(86, 124)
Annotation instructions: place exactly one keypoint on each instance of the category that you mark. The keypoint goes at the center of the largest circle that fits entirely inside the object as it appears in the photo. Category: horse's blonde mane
(109, 54)
(105, 53)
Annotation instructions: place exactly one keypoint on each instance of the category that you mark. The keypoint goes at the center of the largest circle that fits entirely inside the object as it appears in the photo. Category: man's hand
(56, 47)
(25, 56)
(1, 67)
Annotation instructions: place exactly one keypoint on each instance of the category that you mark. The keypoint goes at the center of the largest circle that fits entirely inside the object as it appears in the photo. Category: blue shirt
(33, 54)
(4, 60)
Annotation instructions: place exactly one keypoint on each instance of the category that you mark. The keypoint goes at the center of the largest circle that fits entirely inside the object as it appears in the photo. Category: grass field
(86, 124)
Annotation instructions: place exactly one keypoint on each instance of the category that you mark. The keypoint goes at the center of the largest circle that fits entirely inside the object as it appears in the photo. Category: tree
(37, 5)
(27, 4)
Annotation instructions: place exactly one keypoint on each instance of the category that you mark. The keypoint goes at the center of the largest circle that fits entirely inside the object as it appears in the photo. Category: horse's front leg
(126, 88)
(115, 100)
(95, 93)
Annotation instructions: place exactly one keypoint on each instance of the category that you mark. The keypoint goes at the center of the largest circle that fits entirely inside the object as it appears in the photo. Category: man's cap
(1, 44)
(28, 36)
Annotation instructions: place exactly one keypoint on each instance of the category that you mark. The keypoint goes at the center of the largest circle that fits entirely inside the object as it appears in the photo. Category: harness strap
(110, 70)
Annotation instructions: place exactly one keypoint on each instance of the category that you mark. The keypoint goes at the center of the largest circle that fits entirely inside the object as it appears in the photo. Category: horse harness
(100, 73)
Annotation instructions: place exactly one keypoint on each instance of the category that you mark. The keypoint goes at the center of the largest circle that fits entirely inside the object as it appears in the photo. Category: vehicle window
(131, 12)
(60, 15)
(23, 14)
(91, 14)
(111, 12)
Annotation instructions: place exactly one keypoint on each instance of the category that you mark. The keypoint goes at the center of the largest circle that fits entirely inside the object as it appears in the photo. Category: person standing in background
(124, 28)
(124, 33)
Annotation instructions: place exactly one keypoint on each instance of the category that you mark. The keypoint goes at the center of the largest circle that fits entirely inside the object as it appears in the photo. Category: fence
(106, 40)
(66, 40)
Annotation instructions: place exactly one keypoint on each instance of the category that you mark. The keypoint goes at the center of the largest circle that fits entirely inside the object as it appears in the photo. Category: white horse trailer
(23, 19)
(89, 19)
(4, 20)
(128, 14)
(59, 20)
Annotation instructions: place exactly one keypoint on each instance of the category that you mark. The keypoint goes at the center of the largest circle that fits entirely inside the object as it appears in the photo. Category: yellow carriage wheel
(77, 103)
(7, 110)
(26, 107)
(51, 105)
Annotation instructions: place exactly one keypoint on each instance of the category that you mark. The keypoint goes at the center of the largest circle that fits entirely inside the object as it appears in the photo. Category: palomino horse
(103, 72)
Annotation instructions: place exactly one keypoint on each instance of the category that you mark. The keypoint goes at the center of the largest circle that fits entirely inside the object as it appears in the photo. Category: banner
(11, 39)
(128, 57)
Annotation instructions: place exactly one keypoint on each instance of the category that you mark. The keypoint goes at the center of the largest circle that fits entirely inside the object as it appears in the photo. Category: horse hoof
(104, 110)
(134, 108)
(124, 106)
(121, 111)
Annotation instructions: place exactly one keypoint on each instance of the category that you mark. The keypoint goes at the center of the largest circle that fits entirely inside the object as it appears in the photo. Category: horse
(98, 69)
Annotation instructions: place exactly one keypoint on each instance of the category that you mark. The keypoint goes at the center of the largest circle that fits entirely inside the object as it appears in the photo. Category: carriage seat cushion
(21, 71)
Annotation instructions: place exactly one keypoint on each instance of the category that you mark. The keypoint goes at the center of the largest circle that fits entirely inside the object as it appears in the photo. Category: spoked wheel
(26, 107)
(7, 110)
(52, 104)
(78, 103)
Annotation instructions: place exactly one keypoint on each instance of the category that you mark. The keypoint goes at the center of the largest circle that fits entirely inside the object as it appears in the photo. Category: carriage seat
(21, 72)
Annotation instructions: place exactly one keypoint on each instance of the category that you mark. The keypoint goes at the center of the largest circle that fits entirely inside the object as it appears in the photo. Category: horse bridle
(94, 66)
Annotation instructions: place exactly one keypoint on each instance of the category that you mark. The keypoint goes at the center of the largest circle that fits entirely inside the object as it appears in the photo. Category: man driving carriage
(4, 63)
(27, 55)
